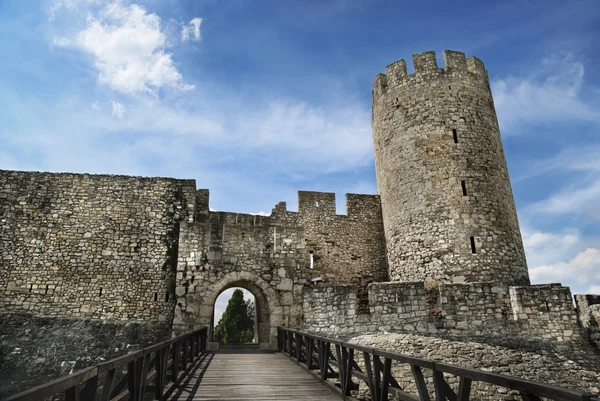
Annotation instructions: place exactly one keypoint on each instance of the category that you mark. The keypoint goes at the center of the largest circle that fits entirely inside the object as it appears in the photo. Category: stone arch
(268, 310)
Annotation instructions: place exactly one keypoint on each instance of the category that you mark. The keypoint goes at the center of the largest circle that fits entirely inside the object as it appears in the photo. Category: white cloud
(57, 5)
(96, 106)
(191, 30)
(118, 110)
(261, 213)
(573, 159)
(571, 199)
(551, 94)
(584, 268)
(129, 49)
(582, 193)
(545, 248)
(541, 239)
(594, 289)
(61, 41)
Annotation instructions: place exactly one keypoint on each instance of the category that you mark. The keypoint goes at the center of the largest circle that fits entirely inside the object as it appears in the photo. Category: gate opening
(235, 317)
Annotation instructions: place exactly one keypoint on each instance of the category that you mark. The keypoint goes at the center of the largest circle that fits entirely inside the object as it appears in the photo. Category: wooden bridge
(306, 367)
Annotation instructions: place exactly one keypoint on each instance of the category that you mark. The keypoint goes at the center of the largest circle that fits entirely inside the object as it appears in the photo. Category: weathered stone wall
(543, 312)
(346, 249)
(330, 309)
(588, 307)
(271, 257)
(436, 135)
(90, 245)
(35, 350)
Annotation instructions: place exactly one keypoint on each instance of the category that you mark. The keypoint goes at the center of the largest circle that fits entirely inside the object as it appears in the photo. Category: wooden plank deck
(250, 375)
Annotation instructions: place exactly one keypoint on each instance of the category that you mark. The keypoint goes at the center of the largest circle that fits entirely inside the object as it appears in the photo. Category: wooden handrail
(320, 355)
(166, 363)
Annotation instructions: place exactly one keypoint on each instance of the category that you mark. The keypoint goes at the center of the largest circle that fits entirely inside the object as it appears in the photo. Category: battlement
(363, 207)
(202, 199)
(358, 206)
(320, 203)
(240, 219)
(485, 308)
(425, 65)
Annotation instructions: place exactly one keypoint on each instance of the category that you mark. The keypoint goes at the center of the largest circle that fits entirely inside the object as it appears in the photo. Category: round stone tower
(448, 209)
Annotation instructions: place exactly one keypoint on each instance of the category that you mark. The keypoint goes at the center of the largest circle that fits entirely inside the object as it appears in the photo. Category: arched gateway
(200, 300)
(268, 310)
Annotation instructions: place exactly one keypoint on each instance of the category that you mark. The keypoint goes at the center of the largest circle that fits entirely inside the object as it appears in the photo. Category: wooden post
(88, 393)
(175, 366)
(464, 389)
(72, 393)
(107, 386)
(159, 379)
(420, 382)
(184, 359)
(369, 372)
(309, 351)
(387, 370)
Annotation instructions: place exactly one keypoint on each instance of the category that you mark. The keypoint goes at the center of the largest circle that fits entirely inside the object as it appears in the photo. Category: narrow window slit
(463, 184)
(167, 297)
(473, 249)
(100, 291)
(155, 296)
(30, 287)
(312, 260)
(455, 135)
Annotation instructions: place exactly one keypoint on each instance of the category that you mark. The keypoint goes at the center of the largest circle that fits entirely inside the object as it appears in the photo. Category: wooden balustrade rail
(330, 358)
(153, 370)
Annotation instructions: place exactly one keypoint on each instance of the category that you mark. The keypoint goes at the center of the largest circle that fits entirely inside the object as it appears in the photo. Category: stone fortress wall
(543, 312)
(588, 308)
(97, 246)
(134, 248)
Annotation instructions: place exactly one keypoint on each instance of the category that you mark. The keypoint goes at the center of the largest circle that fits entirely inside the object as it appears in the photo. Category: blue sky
(256, 99)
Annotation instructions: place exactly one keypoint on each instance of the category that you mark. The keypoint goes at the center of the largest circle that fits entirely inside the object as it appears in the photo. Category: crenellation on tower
(396, 72)
(476, 66)
(380, 84)
(425, 68)
(425, 63)
(454, 61)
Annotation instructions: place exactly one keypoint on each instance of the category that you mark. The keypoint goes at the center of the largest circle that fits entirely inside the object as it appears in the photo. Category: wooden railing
(153, 370)
(316, 353)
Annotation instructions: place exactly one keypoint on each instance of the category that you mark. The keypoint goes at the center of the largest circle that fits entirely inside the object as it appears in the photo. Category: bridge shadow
(241, 349)
(194, 378)
(188, 388)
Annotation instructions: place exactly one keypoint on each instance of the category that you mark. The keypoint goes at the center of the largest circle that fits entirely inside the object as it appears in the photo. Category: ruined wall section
(442, 175)
(543, 312)
(95, 246)
(346, 249)
(330, 309)
(588, 314)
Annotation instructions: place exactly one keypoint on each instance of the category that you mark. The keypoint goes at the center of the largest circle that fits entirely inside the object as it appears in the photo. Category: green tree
(251, 309)
(236, 326)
